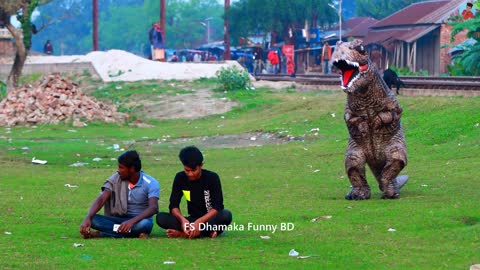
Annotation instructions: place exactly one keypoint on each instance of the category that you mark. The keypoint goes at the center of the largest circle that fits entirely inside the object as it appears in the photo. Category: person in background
(203, 191)
(130, 199)
(48, 48)
(157, 39)
(274, 60)
(467, 12)
(258, 63)
(174, 57)
(326, 56)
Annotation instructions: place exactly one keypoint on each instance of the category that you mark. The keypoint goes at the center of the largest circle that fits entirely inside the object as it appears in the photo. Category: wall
(6, 47)
(46, 69)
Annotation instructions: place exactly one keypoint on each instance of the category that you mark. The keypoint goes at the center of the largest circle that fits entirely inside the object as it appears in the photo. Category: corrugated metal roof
(407, 34)
(428, 12)
(361, 27)
(413, 22)
(353, 22)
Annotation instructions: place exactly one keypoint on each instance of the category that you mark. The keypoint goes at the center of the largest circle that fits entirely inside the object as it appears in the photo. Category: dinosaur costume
(372, 115)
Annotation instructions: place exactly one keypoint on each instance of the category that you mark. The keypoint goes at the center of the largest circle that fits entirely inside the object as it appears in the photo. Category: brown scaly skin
(372, 115)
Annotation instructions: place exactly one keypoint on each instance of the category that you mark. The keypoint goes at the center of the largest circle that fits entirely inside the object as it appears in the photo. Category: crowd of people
(269, 61)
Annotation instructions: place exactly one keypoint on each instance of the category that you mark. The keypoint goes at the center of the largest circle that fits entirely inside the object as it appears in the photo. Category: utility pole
(163, 12)
(340, 19)
(226, 52)
(95, 25)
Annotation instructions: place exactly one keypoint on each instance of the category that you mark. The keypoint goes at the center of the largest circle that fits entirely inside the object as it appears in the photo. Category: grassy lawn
(434, 225)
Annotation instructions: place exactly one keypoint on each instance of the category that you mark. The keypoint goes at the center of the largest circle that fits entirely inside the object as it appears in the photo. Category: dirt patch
(274, 85)
(188, 106)
(253, 139)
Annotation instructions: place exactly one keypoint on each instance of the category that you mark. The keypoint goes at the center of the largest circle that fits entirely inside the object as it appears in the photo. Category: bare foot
(176, 234)
(94, 234)
(213, 234)
(143, 235)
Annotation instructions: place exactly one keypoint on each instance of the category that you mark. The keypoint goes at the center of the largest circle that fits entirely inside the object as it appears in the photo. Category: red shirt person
(467, 12)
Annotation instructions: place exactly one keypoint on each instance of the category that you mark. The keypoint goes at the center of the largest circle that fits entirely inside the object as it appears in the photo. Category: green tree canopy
(257, 17)
(380, 9)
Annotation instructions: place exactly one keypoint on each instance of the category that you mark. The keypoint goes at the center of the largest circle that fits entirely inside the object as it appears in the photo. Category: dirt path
(189, 106)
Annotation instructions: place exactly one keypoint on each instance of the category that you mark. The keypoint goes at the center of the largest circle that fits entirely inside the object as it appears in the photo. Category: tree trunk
(20, 57)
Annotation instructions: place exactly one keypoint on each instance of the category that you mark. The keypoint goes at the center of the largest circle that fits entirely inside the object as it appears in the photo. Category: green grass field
(436, 221)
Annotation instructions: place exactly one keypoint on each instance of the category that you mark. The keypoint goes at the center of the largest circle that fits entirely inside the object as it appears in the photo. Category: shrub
(233, 78)
(3, 90)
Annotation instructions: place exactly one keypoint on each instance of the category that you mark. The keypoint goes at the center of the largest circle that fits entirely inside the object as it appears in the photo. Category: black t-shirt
(202, 195)
(258, 53)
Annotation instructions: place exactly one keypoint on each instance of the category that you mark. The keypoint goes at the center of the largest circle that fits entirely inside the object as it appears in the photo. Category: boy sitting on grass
(203, 192)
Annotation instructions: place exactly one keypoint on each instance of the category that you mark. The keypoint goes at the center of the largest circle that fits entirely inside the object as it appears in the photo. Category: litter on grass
(77, 245)
(321, 217)
(71, 186)
(266, 237)
(293, 253)
(168, 262)
(392, 230)
(78, 164)
(8, 233)
(39, 161)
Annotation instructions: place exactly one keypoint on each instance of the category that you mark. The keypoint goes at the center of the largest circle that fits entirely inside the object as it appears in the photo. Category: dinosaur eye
(360, 49)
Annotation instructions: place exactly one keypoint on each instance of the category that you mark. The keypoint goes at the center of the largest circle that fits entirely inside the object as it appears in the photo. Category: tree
(125, 24)
(468, 64)
(380, 9)
(258, 17)
(23, 41)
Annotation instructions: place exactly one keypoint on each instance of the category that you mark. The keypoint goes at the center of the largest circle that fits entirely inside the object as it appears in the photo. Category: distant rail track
(435, 85)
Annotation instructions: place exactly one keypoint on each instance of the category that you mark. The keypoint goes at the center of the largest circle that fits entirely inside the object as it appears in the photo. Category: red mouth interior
(347, 74)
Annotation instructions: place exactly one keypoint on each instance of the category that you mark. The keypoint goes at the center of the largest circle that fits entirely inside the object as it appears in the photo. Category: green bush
(3, 90)
(233, 78)
(405, 71)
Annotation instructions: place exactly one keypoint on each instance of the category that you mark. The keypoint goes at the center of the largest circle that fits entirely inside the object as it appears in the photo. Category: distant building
(414, 36)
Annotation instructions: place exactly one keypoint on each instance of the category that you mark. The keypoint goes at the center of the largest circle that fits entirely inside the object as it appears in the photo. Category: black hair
(191, 157)
(131, 158)
(470, 4)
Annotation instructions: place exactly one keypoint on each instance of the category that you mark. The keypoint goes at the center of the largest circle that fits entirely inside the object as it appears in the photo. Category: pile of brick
(53, 100)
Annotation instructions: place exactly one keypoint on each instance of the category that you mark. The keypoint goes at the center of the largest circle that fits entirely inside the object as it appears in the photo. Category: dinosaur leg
(355, 168)
(396, 159)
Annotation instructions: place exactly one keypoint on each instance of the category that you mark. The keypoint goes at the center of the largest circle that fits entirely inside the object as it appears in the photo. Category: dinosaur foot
(393, 190)
(362, 193)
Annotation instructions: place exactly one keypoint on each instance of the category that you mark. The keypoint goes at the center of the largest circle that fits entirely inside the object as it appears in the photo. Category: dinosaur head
(352, 60)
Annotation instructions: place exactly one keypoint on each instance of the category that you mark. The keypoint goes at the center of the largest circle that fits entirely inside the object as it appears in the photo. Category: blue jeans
(104, 224)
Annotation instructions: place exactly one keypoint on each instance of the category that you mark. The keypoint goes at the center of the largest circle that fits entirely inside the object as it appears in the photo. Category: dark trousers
(168, 221)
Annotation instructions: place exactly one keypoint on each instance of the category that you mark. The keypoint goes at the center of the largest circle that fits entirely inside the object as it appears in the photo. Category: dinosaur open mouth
(349, 70)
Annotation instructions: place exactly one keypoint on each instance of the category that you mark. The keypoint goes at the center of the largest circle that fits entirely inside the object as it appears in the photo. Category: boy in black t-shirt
(203, 191)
